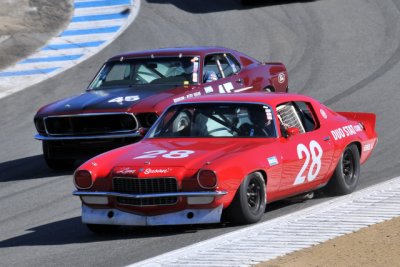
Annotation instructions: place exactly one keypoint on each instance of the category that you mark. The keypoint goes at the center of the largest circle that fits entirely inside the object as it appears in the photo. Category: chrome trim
(172, 194)
(204, 187)
(108, 136)
(91, 176)
(90, 115)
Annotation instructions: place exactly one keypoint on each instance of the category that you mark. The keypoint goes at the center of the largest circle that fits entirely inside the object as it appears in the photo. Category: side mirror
(292, 131)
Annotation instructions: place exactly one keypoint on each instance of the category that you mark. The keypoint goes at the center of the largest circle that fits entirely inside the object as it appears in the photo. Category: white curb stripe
(94, 25)
(299, 230)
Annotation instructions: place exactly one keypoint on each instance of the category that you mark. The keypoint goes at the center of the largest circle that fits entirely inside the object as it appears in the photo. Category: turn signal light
(207, 179)
(83, 179)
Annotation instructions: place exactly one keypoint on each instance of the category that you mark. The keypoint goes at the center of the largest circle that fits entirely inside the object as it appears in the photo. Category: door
(307, 154)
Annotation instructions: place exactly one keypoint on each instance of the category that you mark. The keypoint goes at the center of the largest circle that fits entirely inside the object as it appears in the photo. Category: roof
(175, 51)
(268, 98)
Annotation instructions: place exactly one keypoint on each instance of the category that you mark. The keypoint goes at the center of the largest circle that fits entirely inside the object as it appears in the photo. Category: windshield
(215, 120)
(166, 70)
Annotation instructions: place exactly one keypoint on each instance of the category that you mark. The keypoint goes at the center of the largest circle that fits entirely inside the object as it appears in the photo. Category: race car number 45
(174, 154)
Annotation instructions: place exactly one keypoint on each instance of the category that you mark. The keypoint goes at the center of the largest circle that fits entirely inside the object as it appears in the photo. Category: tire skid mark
(393, 60)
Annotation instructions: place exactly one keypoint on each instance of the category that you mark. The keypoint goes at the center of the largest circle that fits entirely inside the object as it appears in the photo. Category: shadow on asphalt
(209, 6)
(28, 168)
(72, 231)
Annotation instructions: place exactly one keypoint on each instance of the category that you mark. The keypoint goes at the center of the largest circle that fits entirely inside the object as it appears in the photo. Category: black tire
(347, 173)
(56, 164)
(269, 89)
(102, 228)
(248, 205)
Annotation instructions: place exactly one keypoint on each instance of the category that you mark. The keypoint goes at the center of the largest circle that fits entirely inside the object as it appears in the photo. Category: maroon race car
(131, 90)
(225, 155)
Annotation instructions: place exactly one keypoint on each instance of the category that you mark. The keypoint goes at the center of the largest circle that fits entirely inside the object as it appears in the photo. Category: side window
(289, 117)
(233, 62)
(211, 69)
(219, 66)
(306, 115)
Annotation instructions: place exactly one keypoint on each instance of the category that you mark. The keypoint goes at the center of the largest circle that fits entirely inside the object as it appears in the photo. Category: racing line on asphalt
(93, 26)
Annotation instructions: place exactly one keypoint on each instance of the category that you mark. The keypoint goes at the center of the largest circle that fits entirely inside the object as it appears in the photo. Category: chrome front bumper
(117, 217)
(104, 136)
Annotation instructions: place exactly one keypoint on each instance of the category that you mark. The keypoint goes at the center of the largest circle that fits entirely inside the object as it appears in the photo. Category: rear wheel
(269, 89)
(102, 228)
(56, 164)
(347, 172)
(248, 205)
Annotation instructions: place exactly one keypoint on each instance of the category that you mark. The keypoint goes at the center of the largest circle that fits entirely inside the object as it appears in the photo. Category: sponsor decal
(368, 147)
(268, 113)
(228, 87)
(195, 61)
(156, 171)
(121, 99)
(323, 113)
(125, 171)
(178, 99)
(208, 89)
(358, 128)
(272, 161)
(281, 77)
(343, 132)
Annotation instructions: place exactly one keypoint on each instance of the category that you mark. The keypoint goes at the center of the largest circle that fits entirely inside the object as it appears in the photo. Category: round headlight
(39, 125)
(83, 179)
(207, 179)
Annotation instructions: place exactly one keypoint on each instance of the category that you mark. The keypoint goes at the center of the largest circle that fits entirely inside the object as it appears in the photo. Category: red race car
(131, 90)
(228, 154)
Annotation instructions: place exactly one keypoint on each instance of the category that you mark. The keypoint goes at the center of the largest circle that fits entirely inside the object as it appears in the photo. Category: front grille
(145, 186)
(91, 124)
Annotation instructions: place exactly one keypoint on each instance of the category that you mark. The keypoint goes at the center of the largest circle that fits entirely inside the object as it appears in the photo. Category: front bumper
(87, 137)
(118, 217)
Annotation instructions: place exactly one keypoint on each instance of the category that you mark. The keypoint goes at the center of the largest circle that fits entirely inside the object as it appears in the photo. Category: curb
(271, 239)
(93, 26)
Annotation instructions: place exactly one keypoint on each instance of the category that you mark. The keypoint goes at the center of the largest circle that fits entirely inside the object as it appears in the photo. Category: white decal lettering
(315, 153)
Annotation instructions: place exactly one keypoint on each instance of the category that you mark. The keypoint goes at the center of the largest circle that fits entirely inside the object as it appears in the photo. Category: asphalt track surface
(344, 53)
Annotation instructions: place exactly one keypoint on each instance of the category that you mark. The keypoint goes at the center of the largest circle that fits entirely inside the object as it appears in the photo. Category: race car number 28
(174, 154)
(314, 152)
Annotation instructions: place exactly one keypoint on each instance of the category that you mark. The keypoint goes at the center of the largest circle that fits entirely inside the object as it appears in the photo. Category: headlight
(39, 125)
(83, 179)
(207, 179)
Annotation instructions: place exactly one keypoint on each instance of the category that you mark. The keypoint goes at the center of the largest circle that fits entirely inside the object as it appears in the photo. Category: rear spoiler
(368, 120)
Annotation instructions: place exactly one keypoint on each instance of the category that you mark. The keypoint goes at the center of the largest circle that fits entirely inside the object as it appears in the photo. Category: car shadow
(71, 231)
(210, 6)
(32, 167)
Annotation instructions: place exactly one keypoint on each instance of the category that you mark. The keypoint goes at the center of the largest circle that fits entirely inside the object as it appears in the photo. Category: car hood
(187, 153)
(118, 99)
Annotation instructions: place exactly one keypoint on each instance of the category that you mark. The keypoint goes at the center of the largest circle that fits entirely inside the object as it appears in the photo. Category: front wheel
(347, 173)
(248, 205)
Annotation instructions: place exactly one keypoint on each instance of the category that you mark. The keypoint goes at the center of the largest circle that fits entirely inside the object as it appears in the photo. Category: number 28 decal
(315, 153)
(174, 154)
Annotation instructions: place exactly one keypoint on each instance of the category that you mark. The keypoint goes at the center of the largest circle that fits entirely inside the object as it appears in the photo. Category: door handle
(327, 138)
(239, 81)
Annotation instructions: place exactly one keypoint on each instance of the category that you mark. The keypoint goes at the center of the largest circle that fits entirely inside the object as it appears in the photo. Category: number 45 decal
(315, 153)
